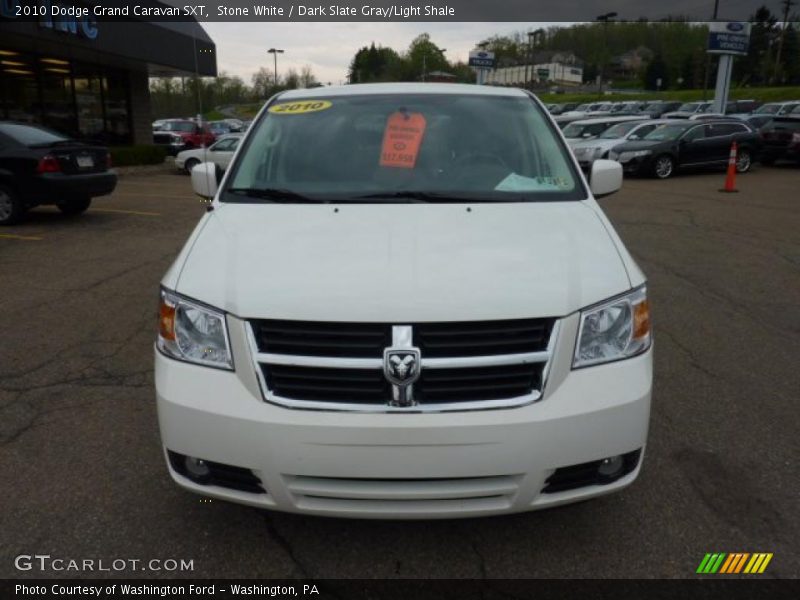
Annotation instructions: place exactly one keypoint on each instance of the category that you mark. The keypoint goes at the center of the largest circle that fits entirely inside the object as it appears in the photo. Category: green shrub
(145, 154)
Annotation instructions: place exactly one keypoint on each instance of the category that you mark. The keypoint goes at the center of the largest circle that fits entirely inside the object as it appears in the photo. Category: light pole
(529, 60)
(275, 52)
(605, 19)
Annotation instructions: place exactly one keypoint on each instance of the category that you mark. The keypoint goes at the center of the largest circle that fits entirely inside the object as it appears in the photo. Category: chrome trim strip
(332, 362)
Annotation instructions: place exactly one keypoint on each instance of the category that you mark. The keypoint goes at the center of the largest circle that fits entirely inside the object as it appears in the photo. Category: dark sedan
(688, 144)
(39, 166)
(781, 140)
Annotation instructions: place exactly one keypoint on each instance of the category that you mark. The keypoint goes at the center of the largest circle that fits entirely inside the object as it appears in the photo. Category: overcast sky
(329, 47)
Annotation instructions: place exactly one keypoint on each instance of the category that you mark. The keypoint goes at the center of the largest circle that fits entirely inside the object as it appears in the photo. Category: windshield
(666, 132)
(768, 109)
(29, 135)
(350, 148)
(178, 126)
(689, 107)
(618, 131)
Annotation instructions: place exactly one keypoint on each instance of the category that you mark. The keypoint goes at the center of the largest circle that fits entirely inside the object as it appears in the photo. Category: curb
(168, 166)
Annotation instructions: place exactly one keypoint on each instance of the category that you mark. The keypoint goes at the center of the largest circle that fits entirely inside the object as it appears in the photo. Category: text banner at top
(375, 10)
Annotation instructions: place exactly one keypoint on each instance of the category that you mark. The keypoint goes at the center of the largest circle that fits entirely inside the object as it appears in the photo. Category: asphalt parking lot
(81, 461)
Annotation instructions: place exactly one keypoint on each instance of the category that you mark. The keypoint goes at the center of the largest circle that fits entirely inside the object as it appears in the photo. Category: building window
(79, 100)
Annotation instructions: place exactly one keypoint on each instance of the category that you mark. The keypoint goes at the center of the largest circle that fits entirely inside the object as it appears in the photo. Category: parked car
(563, 107)
(41, 166)
(655, 110)
(741, 107)
(182, 134)
(587, 151)
(777, 109)
(688, 109)
(158, 124)
(220, 153)
(404, 303)
(587, 129)
(688, 144)
(236, 125)
(628, 108)
(219, 128)
(781, 139)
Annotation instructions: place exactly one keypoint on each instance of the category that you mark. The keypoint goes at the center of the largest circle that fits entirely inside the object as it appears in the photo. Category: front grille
(369, 386)
(479, 383)
(315, 384)
(301, 338)
(482, 338)
(462, 365)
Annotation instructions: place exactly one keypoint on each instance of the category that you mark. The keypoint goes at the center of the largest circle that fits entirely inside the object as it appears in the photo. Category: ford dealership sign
(728, 37)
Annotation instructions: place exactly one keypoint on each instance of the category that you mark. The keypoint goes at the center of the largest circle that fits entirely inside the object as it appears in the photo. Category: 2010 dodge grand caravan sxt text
(404, 302)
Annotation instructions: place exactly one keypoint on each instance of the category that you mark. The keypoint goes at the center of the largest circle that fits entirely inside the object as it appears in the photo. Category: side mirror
(586, 135)
(634, 136)
(605, 178)
(204, 180)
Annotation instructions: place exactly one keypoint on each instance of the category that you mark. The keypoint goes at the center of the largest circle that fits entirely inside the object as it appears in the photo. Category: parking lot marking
(27, 238)
(127, 212)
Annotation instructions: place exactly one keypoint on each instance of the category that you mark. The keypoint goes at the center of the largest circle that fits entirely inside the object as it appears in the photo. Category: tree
(307, 79)
(263, 82)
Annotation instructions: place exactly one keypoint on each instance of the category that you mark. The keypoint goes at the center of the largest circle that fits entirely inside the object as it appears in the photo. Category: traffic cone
(730, 178)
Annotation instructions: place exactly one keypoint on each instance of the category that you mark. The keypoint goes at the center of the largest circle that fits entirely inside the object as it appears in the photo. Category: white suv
(404, 302)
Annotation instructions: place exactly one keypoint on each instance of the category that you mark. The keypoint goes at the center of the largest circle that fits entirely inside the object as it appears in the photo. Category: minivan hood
(402, 262)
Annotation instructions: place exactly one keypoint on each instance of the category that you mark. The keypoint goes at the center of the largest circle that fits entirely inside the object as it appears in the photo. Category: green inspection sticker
(300, 108)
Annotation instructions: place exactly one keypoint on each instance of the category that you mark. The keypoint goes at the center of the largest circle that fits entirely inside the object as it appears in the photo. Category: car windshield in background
(415, 147)
(666, 132)
(178, 126)
(31, 135)
(768, 109)
(689, 107)
(619, 130)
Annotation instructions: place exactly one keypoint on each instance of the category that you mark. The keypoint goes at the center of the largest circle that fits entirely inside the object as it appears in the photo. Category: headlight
(629, 155)
(617, 329)
(192, 332)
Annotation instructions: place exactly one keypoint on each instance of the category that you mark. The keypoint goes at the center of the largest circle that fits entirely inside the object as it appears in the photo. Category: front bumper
(411, 465)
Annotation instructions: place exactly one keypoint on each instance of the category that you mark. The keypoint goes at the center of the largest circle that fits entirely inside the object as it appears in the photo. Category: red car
(178, 135)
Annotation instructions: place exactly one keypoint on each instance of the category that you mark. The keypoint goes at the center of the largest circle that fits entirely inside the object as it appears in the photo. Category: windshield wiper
(275, 195)
(433, 197)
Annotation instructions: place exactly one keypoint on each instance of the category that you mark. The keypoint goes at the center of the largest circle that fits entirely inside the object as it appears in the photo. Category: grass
(774, 94)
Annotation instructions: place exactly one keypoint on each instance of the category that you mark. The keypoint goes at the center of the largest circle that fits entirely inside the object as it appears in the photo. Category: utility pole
(787, 5)
(605, 19)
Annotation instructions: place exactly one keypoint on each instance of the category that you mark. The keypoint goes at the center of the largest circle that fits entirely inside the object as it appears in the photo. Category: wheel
(190, 164)
(767, 161)
(663, 166)
(11, 207)
(74, 206)
(743, 161)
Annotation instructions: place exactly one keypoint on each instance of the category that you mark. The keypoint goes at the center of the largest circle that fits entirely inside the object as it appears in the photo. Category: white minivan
(404, 302)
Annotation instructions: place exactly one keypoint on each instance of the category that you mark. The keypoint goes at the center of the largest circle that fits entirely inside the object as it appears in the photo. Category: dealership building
(88, 77)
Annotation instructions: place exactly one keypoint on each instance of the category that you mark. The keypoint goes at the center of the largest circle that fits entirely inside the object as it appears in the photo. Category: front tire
(75, 206)
(663, 166)
(190, 164)
(11, 207)
(743, 161)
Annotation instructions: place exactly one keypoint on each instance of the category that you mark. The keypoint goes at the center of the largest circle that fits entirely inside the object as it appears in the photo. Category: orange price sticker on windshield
(402, 139)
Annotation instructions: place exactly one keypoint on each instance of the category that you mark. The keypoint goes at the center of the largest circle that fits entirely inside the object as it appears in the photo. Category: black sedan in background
(688, 144)
(40, 166)
(781, 140)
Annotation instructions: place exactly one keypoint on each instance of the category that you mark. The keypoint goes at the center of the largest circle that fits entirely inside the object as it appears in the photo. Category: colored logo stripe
(733, 563)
